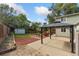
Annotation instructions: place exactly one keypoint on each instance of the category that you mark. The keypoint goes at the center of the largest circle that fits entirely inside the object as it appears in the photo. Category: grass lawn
(23, 36)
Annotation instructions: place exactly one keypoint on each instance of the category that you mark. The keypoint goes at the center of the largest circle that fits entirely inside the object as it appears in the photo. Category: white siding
(71, 19)
(64, 34)
(58, 20)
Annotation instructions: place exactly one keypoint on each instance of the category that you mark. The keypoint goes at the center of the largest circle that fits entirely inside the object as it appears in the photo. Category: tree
(59, 9)
(23, 22)
(50, 19)
(7, 16)
(35, 26)
(66, 8)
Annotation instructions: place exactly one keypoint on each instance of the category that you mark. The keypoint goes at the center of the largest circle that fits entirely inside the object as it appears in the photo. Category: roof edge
(66, 15)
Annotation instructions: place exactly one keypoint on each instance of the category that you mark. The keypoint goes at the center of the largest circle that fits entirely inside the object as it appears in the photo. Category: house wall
(63, 34)
(72, 20)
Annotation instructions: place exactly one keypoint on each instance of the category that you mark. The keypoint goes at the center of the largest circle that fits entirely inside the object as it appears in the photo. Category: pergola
(60, 25)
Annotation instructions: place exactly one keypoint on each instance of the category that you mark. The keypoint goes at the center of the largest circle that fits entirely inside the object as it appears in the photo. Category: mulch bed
(23, 41)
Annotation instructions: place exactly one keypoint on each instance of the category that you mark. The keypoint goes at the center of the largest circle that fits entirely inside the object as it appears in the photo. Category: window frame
(63, 19)
(63, 29)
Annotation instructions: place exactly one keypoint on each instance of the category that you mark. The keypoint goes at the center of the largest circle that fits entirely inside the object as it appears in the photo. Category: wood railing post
(50, 32)
(41, 35)
(72, 38)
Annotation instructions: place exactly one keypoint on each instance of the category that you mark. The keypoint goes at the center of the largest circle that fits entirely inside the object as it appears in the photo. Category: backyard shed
(20, 31)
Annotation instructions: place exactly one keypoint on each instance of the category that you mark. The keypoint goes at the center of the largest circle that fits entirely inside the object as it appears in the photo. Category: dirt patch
(23, 41)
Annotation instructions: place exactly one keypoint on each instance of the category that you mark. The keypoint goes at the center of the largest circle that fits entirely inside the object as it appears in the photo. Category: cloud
(18, 8)
(41, 10)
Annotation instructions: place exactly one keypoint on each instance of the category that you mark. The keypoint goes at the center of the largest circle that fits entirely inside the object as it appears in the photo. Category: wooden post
(72, 38)
(41, 35)
(50, 32)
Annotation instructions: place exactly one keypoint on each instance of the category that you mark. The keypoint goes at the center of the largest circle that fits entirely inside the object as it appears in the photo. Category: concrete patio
(57, 46)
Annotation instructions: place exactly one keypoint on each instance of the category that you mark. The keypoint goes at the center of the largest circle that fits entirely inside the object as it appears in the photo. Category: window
(62, 19)
(63, 29)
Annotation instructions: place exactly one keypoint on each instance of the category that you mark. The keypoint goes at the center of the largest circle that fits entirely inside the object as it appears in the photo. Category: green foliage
(66, 8)
(62, 9)
(50, 19)
(23, 36)
(7, 15)
(35, 26)
(23, 22)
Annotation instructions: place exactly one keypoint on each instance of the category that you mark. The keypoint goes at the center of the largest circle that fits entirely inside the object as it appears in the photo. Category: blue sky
(34, 11)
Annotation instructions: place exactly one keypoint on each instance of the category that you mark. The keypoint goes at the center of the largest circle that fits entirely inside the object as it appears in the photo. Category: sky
(35, 12)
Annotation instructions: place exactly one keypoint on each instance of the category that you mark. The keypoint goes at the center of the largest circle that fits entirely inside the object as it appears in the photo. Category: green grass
(23, 35)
